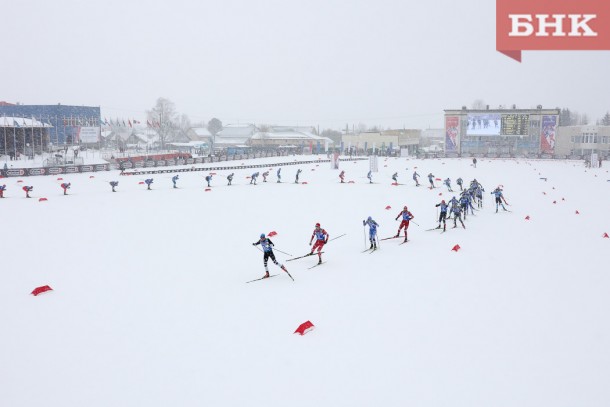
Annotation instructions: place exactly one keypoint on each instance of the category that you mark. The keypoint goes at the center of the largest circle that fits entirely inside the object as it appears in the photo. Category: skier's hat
(317, 225)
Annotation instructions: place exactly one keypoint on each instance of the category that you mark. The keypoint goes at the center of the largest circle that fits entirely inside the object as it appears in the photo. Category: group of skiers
(319, 235)
(458, 207)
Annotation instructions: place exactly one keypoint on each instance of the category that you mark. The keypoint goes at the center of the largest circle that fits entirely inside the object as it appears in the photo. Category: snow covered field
(150, 307)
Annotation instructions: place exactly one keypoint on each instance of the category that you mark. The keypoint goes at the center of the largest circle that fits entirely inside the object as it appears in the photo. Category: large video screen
(515, 124)
(487, 124)
(498, 124)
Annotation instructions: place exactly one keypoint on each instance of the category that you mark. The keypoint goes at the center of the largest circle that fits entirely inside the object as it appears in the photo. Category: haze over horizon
(389, 63)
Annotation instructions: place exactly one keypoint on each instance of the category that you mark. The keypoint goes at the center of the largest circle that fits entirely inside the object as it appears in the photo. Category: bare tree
(214, 126)
(164, 114)
(478, 104)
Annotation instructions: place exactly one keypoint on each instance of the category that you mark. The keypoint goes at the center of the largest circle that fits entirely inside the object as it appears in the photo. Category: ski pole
(415, 222)
(364, 234)
(339, 237)
(278, 250)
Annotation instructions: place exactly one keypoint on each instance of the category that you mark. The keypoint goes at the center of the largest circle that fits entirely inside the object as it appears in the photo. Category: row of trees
(571, 118)
(173, 126)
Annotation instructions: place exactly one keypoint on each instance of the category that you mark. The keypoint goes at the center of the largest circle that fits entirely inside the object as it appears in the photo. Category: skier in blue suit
(372, 231)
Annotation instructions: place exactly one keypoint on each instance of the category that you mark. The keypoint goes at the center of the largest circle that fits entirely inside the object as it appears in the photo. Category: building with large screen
(501, 132)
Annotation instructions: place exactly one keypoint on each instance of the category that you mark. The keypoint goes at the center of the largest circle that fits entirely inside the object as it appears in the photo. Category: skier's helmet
(369, 219)
(262, 235)
(405, 208)
(317, 225)
(443, 201)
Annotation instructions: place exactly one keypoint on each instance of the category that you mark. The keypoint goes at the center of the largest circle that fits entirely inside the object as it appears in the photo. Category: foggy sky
(326, 63)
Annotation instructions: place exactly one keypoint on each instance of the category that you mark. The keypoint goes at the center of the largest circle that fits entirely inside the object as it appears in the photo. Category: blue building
(70, 124)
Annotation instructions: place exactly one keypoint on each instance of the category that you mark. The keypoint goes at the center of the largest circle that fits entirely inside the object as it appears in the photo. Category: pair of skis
(272, 275)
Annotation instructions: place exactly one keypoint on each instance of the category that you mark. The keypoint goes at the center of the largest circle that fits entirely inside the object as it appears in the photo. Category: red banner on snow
(304, 328)
(41, 289)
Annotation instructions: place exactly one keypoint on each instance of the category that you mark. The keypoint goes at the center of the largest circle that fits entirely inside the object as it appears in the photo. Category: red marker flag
(456, 248)
(41, 289)
(304, 328)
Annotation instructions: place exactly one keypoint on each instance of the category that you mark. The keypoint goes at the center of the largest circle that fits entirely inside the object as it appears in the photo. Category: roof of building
(201, 131)
(237, 130)
(9, 121)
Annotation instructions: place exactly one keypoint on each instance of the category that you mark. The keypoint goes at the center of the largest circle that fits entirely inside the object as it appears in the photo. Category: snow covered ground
(150, 307)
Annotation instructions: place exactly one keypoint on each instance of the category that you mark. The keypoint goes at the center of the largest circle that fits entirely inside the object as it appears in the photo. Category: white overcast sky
(327, 63)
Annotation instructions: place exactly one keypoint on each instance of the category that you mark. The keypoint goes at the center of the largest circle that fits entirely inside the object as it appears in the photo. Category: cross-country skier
(230, 178)
(370, 176)
(456, 210)
(175, 180)
(267, 246)
(209, 179)
(406, 217)
(478, 193)
(443, 216)
(474, 162)
(2, 189)
(465, 203)
(27, 190)
(114, 184)
(415, 176)
(372, 231)
(342, 176)
(448, 183)
(265, 175)
(453, 202)
(296, 180)
(395, 177)
(499, 198)
(65, 187)
(253, 178)
(321, 239)
(279, 176)
(431, 180)
(459, 182)
(148, 182)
